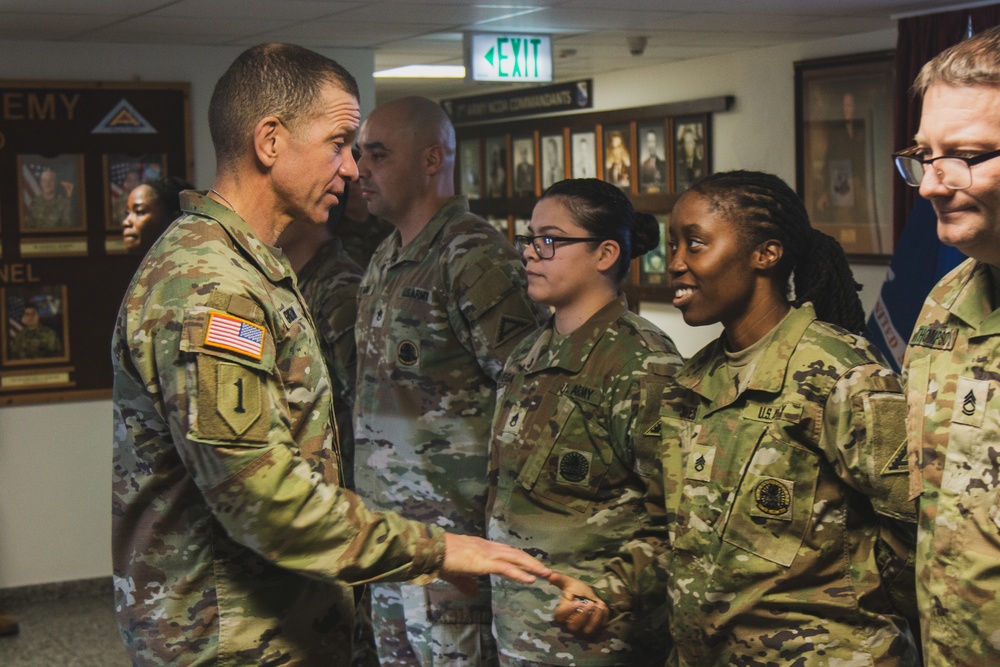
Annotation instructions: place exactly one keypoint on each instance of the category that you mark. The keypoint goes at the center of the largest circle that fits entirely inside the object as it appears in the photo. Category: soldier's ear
(267, 139)
(434, 157)
(767, 255)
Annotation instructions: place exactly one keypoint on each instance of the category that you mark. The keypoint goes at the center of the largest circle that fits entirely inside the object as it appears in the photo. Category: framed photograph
(122, 173)
(496, 167)
(553, 162)
(652, 158)
(35, 326)
(521, 226)
(653, 265)
(501, 224)
(844, 139)
(618, 156)
(690, 151)
(51, 193)
(470, 168)
(583, 154)
(524, 167)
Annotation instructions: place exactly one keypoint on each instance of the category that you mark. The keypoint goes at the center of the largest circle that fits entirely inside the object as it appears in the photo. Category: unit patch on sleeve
(234, 334)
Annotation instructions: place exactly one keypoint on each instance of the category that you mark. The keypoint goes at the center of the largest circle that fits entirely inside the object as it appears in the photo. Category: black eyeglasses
(545, 246)
(954, 171)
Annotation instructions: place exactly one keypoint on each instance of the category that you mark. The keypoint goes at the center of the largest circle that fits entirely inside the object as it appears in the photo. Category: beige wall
(55, 459)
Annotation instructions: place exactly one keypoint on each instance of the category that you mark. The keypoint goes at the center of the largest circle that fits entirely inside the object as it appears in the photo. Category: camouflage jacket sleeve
(253, 429)
(632, 582)
(488, 279)
(864, 426)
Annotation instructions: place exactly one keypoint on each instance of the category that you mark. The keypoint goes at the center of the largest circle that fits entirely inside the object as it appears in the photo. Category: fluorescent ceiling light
(423, 72)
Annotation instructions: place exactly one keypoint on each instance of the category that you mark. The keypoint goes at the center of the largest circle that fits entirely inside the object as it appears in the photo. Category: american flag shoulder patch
(235, 334)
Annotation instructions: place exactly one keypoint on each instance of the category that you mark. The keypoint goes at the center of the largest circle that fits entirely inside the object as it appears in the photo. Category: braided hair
(763, 207)
(604, 211)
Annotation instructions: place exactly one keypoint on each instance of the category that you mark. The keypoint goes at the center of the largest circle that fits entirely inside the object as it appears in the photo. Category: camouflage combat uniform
(952, 370)
(329, 285)
(436, 321)
(230, 536)
(576, 441)
(791, 533)
(52, 213)
(360, 239)
(37, 343)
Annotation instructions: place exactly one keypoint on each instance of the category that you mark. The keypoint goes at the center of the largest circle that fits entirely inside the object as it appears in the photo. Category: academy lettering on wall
(70, 152)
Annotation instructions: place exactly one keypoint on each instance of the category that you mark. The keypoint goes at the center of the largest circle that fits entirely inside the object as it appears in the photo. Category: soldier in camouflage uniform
(784, 457)
(51, 209)
(231, 537)
(951, 363)
(441, 305)
(576, 438)
(358, 230)
(34, 340)
(328, 279)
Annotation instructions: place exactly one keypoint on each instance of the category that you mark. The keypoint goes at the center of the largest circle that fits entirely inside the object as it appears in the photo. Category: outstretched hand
(580, 611)
(466, 557)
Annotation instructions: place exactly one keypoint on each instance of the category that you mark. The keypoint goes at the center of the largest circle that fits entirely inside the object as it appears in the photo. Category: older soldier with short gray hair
(233, 542)
(951, 364)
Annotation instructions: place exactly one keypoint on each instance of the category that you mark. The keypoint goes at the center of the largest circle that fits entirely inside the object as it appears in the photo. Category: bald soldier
(950, 367)
(441, 305)
(233, 541)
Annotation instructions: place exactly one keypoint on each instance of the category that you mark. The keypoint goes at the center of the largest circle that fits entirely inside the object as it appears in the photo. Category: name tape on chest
(580, 392)
(936, 338)
(235, 334)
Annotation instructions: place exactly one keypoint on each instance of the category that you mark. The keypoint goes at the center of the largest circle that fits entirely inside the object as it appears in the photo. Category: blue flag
(918, 263)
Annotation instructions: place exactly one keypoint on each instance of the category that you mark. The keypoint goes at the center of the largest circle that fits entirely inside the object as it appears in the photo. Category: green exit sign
(510, 57)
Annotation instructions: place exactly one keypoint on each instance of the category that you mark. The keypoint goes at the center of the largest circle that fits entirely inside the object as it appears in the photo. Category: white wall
(55, 460)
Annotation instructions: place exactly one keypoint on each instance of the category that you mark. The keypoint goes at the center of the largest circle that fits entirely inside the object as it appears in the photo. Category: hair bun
(647, 234)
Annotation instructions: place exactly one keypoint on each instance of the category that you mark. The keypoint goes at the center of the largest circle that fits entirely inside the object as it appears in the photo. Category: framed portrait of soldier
(496, 167)
(553, 163)
(652, 158)
(618, 156)
(122, 174)
(524, 166)
(470, 168)
(584, 155)
(690, 151)
(51, 193)
(35, 326)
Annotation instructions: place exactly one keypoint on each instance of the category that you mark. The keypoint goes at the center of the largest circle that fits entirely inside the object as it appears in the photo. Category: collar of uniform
(573, 351)
(967, 294)
(271, 263)
(423, 242)
(706, 373)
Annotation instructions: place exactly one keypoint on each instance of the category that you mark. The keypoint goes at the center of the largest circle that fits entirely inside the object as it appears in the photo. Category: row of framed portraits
(650, 270)
(52, 189)
(664, 155)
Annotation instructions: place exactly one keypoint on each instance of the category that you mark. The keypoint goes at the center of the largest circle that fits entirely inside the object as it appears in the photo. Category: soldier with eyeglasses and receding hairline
(951, 364)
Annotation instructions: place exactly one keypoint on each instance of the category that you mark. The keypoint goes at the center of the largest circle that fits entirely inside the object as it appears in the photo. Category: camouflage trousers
(363, 653)
(406, 635)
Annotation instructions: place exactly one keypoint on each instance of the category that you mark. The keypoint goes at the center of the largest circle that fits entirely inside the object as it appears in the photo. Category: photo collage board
(652, 153)
(70, 153)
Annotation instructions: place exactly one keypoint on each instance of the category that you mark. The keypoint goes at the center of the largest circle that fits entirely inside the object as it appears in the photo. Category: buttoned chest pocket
(773, 505)
(570, 457)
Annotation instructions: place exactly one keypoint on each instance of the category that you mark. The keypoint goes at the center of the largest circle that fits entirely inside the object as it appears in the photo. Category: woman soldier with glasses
(576, 439)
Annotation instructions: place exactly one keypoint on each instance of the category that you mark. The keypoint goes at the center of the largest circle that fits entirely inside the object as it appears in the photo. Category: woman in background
(152, 206)
(576, 436)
